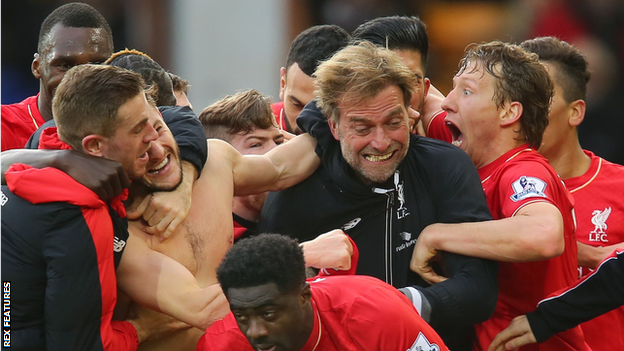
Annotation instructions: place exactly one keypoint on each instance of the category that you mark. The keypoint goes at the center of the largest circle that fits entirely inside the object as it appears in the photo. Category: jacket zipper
(390, 194)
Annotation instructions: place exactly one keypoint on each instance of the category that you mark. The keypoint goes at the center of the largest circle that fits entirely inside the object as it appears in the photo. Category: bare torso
(199, 244)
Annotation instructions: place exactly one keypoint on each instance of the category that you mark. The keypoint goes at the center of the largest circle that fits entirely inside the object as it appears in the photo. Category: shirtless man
(207, 232)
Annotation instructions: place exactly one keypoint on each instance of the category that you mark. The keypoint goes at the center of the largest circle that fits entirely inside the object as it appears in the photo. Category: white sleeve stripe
(580, 283)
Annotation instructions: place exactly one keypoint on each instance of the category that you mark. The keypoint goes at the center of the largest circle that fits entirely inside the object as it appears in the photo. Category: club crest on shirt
(422, 344)
(402, 211)
(526, 187)
(5, 199)
(599, 220)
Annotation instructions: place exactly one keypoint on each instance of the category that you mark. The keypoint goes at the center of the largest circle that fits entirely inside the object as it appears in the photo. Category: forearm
(590, 256)
(280, 168)
(469, 295)
(189, 176)
(164, 285)
(599, 293)
(197, 307)
(33, 158)
(520, 238)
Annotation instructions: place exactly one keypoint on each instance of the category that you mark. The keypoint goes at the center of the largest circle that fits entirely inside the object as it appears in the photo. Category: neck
(496, 149)
(44, 105)
(568, 159)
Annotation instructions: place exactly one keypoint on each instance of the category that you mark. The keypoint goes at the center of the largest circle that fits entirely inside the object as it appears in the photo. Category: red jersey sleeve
(524, 183)
(224, 335)
(384, 319)
(436, 128)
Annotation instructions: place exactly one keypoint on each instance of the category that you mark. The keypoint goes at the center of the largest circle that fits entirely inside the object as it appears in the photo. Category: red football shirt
(599, 209)
(518, 178)
(436, 128)
(280, 117)
(19, 122)
(350, 313)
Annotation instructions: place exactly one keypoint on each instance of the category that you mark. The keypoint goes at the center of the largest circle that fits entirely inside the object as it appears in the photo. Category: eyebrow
(256, 137)
(143, 121)
(269, 303)
(295, 100)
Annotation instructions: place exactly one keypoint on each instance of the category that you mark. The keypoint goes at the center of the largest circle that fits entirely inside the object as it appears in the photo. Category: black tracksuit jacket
(436, 182)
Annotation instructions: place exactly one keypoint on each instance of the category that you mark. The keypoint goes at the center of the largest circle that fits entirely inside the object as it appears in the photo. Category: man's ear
(333, 126)
(35, 67)
(282, 82)
(577, 112)
(510, 113)
(306, 294)
(427, 83)
(92, 145)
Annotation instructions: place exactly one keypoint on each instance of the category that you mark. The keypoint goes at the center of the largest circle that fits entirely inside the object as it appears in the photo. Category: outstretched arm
(104, 177)
(598, 293)
(280, 168)
(591, 256)
(534, 233)
(164, 285)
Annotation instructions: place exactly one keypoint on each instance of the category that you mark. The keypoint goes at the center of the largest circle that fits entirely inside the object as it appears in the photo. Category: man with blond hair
(497, 113)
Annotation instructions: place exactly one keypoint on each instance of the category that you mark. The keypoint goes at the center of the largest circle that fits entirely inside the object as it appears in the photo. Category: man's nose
(256, 329)
(156, 150)
(381, 141)
(447, 103)
(150, 134)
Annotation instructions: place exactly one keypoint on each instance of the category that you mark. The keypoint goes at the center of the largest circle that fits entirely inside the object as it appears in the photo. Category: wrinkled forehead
(255, 296)
(62, 39)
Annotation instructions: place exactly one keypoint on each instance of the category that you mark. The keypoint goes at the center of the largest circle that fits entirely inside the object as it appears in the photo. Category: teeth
(378, 158)
(160, 165)
(456, 143)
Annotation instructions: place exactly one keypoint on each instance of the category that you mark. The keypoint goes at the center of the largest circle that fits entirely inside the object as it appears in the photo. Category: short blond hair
(359, 72)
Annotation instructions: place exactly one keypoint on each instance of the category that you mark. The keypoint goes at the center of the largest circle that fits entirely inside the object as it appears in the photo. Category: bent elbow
(552, 243)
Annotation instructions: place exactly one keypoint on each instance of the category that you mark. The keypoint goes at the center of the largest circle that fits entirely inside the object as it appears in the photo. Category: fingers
(139, 210)
(413, 115)
(165, 226)
(287, 136)
(104, 192)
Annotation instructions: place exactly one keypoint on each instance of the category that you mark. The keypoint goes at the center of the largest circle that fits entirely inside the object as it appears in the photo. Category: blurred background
(225, 46)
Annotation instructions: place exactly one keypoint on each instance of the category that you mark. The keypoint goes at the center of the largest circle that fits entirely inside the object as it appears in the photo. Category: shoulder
(224, 335)
(531, 164)
(432, 150)
(220, 149)
(169, 112)
(354, 290)
(14, 112)
(439, 161)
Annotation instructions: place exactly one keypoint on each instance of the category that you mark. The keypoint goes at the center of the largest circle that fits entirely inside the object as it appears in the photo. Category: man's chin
(163, 184)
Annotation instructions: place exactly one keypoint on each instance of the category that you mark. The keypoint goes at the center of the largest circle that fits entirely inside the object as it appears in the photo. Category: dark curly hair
(263, 259)
(519, 77)
(75, 15)
(396, 33)
(150, 70)
(314, 45)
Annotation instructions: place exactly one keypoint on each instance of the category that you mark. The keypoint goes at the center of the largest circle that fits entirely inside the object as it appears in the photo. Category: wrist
(141, 336)
(306, 257)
